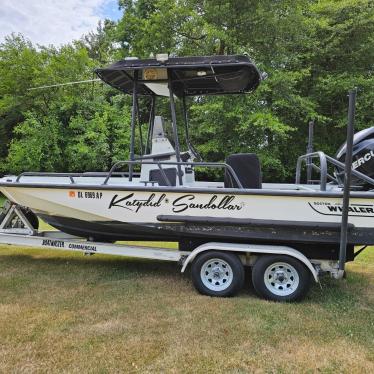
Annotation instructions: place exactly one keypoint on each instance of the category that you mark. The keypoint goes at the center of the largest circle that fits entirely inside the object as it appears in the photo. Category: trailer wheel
(217, 273)
(280, 278)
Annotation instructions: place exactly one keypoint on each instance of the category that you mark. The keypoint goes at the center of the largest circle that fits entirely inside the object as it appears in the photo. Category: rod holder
(347, 181)
(309, 149)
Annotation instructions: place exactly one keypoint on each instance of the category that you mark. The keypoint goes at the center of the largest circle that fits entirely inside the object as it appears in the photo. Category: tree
(344, 58)
(36, 146)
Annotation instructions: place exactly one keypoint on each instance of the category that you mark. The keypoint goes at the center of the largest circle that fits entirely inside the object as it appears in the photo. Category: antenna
(64, 84)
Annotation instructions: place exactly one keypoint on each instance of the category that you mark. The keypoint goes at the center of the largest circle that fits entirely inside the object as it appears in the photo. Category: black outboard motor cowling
(362, 158)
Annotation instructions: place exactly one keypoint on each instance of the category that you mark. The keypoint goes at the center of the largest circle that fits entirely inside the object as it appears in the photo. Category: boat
(157, 195)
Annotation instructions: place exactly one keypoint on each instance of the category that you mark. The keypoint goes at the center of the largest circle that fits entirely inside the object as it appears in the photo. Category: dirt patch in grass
(63, 312)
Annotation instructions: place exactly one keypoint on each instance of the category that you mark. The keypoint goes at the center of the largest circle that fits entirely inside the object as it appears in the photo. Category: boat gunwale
(189, 189)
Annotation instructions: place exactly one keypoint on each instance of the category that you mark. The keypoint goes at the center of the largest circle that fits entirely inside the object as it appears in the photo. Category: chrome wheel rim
(281, 279)
(216, 274)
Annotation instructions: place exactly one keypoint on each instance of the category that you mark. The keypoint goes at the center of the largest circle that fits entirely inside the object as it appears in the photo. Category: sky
(55, 22)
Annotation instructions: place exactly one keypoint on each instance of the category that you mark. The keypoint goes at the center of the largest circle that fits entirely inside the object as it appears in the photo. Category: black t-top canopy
(190, 76)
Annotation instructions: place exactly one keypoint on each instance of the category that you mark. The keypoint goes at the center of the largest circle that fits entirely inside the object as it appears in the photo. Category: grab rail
(111, 173)
(324, 159)
(48, 174)
(68, 175)
(323, 167)
(175, 163)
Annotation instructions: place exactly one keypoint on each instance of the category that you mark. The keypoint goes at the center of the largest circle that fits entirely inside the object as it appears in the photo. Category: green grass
(65, 312)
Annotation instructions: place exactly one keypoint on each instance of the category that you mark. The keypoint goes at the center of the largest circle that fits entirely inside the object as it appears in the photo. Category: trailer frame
(17, 230)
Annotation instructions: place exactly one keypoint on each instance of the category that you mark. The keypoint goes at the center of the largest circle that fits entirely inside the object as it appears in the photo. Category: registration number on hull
(86, 194)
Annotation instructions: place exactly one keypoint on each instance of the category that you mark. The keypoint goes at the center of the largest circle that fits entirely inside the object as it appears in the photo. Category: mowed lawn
(65, 312)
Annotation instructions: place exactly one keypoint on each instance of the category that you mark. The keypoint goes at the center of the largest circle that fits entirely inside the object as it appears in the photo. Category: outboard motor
(362, 158)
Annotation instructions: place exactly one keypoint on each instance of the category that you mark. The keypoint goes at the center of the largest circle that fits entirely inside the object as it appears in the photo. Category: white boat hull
(140, 206)
(310, 222)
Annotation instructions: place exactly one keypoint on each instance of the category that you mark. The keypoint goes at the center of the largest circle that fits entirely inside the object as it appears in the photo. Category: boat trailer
(16, 228)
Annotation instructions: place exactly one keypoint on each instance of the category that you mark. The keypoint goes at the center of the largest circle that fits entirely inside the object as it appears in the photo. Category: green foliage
(119, 128)
(313, 52)
(88, 148)
(225, 125)
(344, 58)
(36, 146)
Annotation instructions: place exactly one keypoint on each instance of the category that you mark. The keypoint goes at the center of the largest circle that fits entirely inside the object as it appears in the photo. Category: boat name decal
(180, 204)
(336, 209)
(183, 203)
(130, 203)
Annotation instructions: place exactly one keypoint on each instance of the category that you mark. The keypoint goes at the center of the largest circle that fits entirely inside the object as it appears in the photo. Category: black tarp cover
(190, 76)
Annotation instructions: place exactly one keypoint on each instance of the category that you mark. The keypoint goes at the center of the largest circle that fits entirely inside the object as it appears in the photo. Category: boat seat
(156, 176)
(247, 168)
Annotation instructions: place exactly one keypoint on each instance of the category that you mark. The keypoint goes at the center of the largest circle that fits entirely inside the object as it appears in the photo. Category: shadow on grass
(21, 274)
(97, 263)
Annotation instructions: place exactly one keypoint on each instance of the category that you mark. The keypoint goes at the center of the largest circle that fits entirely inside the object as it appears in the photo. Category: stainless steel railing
(324, 160)
(71, 176)
(220, 165)
(113, 173)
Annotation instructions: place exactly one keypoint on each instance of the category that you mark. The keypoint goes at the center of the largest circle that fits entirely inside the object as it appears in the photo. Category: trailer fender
(251, 248)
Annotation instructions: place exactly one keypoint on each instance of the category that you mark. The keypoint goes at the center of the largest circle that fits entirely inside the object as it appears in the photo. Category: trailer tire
(280, 278)
(217, 273)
